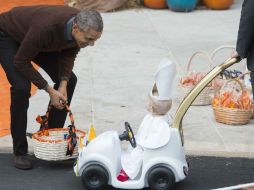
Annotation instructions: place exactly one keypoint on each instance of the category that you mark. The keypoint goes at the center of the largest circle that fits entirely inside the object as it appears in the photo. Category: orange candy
(216, 101)
(231, 100)
(192, 79)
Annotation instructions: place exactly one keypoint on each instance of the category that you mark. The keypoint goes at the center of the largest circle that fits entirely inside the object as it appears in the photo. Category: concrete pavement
(121, 66)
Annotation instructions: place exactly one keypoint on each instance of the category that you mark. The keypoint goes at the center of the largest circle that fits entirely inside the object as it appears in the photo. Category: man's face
(83, 38)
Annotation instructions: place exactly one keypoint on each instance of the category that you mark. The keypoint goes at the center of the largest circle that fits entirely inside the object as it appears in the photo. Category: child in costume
(154, 131)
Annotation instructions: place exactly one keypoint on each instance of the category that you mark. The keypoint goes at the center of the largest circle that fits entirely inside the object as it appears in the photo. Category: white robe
(154, 132)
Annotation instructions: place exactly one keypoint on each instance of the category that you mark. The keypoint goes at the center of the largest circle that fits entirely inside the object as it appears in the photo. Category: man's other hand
(57, 99)
(63, 89)
(234, 54)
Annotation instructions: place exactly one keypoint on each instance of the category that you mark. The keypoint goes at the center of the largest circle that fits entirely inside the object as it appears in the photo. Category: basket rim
(232, 109)
(38, 137)
(193, 85)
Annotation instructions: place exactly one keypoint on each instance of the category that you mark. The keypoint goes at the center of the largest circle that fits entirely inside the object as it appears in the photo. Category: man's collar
(68, 29)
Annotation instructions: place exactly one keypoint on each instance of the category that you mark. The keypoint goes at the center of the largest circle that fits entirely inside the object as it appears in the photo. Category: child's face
(150, 101)
(149, 104)
(158, 107)
(152, 106)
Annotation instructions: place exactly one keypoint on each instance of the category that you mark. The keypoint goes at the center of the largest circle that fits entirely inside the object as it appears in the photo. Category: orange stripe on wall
(8, 4)
(5, 102)
(5, 5)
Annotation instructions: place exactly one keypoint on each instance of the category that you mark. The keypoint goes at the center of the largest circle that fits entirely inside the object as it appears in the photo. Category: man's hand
(234, 54)
(57, 99)
(63, 90)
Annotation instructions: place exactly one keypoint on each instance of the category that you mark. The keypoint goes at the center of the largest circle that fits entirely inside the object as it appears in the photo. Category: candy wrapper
(192, 79)
(233, 98)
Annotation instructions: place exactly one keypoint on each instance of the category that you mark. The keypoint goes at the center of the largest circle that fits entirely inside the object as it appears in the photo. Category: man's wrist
(48, 89)
(45, 87)
(63, 83)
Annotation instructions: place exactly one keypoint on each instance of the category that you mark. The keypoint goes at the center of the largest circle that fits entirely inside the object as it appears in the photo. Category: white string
(90, 62)
(170, 53)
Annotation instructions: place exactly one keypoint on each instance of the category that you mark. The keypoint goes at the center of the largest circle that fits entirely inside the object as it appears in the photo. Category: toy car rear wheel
(95, 177)
(161, 178)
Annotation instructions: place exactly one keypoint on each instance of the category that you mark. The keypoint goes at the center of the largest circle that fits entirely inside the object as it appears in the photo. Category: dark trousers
(20, 91)
(252, 82)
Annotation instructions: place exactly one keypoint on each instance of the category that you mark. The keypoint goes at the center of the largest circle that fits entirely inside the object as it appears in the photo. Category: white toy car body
(105, 152)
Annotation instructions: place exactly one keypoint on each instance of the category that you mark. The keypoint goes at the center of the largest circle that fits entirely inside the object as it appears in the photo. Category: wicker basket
(204, 97)
(53, 146)
(232, 116)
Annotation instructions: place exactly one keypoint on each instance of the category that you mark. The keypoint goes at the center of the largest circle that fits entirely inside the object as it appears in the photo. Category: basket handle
(242, 75)
(197, 53)
(219, 49)
(43, 120)
(232, 80)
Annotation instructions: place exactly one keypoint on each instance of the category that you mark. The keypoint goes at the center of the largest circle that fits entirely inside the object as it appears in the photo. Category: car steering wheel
(128, 135)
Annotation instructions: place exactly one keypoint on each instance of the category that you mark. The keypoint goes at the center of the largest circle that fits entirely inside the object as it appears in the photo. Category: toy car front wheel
(95, 177)
(161, 178)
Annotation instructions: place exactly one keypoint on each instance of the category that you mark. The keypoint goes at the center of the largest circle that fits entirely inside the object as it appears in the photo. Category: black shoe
(22, 162)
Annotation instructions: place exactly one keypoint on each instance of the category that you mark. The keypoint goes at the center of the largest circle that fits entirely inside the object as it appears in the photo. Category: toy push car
(100, 162)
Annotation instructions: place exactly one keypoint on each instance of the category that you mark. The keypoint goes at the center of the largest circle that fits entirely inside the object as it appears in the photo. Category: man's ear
(74, 27)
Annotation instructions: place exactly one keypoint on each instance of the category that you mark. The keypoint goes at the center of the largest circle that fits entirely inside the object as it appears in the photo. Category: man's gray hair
(89, 19)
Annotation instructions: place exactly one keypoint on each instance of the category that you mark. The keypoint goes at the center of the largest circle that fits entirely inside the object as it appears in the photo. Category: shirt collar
(68, 29)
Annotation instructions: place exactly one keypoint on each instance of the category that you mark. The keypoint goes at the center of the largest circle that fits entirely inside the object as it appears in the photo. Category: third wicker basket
(232, 116)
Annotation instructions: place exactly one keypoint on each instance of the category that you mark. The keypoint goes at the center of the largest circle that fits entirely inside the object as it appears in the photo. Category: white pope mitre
(164, 78)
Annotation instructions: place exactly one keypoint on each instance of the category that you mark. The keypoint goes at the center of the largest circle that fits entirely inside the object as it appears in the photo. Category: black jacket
(245, 40)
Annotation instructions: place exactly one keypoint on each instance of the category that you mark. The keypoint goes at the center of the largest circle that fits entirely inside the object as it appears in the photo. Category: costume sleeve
(246, 29)
(66, 62)
(28, 49)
